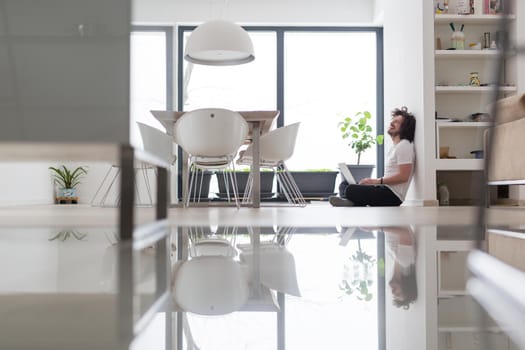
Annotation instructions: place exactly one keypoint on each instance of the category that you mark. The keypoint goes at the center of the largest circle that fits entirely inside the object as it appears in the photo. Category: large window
(312, 75)
(150, 74)
(327, 76)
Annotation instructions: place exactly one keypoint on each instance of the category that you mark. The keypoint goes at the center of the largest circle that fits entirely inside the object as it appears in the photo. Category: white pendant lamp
(219, 43)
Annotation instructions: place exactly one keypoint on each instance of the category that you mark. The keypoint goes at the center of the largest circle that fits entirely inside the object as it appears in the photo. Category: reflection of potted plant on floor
(359, 134)
(358, 278)
(65, 234)
(67, 181)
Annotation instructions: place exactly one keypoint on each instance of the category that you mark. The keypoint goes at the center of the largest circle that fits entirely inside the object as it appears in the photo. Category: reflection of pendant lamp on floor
(219, 43)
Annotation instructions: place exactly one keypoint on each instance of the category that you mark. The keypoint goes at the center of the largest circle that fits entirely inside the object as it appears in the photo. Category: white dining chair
(211, 137)
(275, 147)
(155, 142)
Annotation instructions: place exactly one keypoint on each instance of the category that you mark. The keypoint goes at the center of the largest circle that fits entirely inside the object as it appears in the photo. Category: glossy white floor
(315, 214)
(86, 270)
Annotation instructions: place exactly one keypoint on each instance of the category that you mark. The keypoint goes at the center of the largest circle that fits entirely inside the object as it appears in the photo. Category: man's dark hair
(409, 286)
(408, 127)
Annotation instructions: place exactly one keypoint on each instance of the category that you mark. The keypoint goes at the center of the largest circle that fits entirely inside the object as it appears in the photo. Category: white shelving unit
(461, 89)
(462, 138)
(456, 99)
(469, 19)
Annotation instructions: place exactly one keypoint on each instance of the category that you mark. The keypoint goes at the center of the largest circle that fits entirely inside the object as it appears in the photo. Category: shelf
(472, 19)
(442, 124)
(466, 54)
(459, 164)
(472, 89)
(444, 294)
(468, 329)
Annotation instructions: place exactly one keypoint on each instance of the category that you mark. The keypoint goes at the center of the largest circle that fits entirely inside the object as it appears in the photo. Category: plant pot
(67, 196)
(205, 190)
(360, 171)
(242, 179)
(317, 184)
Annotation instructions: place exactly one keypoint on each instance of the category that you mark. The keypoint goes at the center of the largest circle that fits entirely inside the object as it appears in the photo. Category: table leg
(256, 166)
(185, 177)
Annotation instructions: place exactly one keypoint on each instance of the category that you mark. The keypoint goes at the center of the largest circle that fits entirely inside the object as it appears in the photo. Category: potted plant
(201, 184)
(315, 183)
(359, 133)
(242, 179)
(67, 180)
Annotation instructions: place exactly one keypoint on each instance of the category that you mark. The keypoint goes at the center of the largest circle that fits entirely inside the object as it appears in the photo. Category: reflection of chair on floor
(205, 241)
(210, 282)
(155, 142)
(275, 148)
(277, 263)
(211, 137)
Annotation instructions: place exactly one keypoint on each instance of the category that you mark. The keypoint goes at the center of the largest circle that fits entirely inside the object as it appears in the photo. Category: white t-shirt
(402, 153)
(402, 254)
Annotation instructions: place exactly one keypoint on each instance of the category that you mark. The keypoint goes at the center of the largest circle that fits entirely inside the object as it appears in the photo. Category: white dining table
(259, 123)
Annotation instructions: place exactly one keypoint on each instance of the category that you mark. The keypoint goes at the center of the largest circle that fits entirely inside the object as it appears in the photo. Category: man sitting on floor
(389, 190)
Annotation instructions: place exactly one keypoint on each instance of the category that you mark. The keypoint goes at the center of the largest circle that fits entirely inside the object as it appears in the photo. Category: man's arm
(402, 176)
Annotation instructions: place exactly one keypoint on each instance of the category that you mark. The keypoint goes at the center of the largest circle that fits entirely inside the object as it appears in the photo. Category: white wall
(23, 183)
(409, 81)
(416, 328)
(254, 11)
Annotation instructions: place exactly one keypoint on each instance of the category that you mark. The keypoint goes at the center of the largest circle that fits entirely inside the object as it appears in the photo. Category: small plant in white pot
(67, 181)
(358, 132)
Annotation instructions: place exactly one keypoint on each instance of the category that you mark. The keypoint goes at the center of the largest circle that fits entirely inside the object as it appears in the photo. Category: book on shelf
(493, 7)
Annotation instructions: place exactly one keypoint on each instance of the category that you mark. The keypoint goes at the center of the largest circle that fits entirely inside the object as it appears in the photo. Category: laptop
(347, 174)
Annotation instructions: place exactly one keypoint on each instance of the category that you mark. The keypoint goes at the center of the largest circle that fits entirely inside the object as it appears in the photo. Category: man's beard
(393, 133)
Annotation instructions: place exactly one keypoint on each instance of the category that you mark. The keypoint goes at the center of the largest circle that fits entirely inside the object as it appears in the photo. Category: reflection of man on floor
(401, 247)
(389, 190)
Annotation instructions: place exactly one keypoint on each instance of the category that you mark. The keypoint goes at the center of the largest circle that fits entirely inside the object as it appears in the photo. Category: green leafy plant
(359, 132)
(67, 178)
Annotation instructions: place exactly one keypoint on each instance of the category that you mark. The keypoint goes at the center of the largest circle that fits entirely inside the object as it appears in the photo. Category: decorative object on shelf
(474, 79)
(219, 43)
(493, 7)
(444, 194)
(443, 152)
(463, 7)
(441, 6)
(475, 46)
(479, 117)
(477, 7)
(457, 40)
(486, 40)
(478, 154)
(67, 180)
